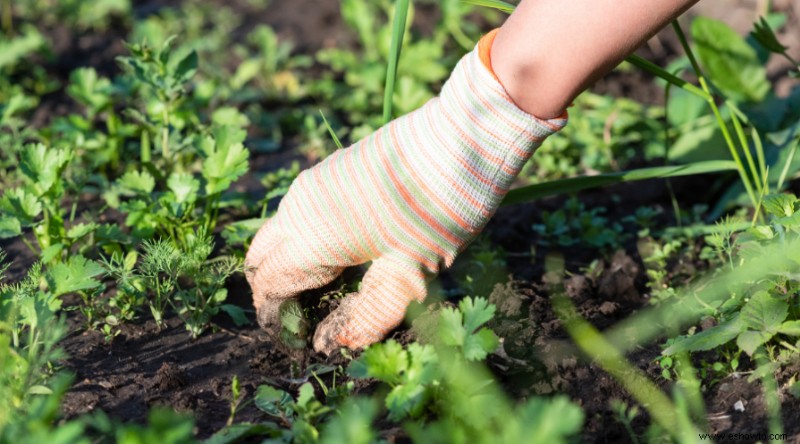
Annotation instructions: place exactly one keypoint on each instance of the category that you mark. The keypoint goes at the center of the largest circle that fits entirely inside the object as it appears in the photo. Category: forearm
(549, 51)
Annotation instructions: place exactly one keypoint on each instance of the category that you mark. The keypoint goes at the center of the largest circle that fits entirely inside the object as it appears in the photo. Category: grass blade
(789, 160)
(571, 185)
(657, 71)
(398, 31)
(496, 4)
(330, 131)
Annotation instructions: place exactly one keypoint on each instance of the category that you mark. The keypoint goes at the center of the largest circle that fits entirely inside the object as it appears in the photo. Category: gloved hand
(409, 198)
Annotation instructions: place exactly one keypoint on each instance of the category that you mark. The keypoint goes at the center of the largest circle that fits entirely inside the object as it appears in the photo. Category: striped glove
(409, 198)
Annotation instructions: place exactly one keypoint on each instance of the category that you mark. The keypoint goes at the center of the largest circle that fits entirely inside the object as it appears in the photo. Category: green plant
(656, 256)
(184, 279)
(626, 415)
(163, 426)
(300, 416)
(173, 213)
(755, 317)
(96, 148)
(604, 134)
(268, 67)
(361, 80)
(165, 78)
(574, 225)
(38, 203)
(30, 330)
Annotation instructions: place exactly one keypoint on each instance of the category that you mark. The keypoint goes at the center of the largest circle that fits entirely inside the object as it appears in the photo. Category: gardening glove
(409, 198)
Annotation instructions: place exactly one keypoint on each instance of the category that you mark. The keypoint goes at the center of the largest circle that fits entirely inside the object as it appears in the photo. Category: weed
(184, 279)
(574, 225)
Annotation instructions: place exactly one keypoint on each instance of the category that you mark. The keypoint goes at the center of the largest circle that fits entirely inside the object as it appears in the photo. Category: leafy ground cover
(142, 144)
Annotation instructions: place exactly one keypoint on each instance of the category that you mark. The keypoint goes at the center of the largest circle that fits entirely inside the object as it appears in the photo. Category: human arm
(549, 51)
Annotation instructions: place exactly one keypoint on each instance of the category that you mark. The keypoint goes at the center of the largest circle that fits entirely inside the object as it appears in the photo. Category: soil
(144, 366)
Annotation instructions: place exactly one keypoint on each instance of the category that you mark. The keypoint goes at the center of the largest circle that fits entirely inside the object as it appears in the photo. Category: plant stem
(398, 30)
(788, 163)
(165, 135)
(720, 121)
(657, 71)
(737, 126)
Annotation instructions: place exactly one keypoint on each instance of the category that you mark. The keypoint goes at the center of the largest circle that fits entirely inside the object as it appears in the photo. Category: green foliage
(184, 279)
(30, 330)
(355, 84)
(38, 203)
(184, 206)
(758, 316)
(461, 328)
(268, 67)
(415, 372)
(16, 49)
(74, 14)
(163, 426)
(604, 134)
(575, 225)
(729, 60)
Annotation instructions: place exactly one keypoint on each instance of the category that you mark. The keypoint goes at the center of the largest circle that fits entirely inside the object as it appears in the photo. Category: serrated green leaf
(451, 329)
(230, 116)
(138, 182)
(226, 161)
(9, 227)
(76, 274)
(292, 317)
(792, 221)
(423, 364)
(21, 205)
(762, 232)
(13, 50)
(763, 312)
(51, 252)
(763, 370)
(780, 205)
(476, 312)
(43, 166)
(791, 328)
(706, 339)
(405, 400)
(80, 230)
(750, 340)
(306, 395)
(184, 186)
(480, 344)
(353, 425)
(89, 89)
(731, 63)
(384, 362)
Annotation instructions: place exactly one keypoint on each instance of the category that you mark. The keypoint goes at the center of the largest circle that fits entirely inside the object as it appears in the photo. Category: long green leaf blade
(571, 185)
(398, 31)
(496, 4)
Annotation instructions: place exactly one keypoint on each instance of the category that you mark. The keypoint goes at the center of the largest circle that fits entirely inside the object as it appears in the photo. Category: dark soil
(143, 366)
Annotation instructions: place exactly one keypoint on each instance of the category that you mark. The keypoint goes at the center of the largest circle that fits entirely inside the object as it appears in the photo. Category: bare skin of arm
(568, 45)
